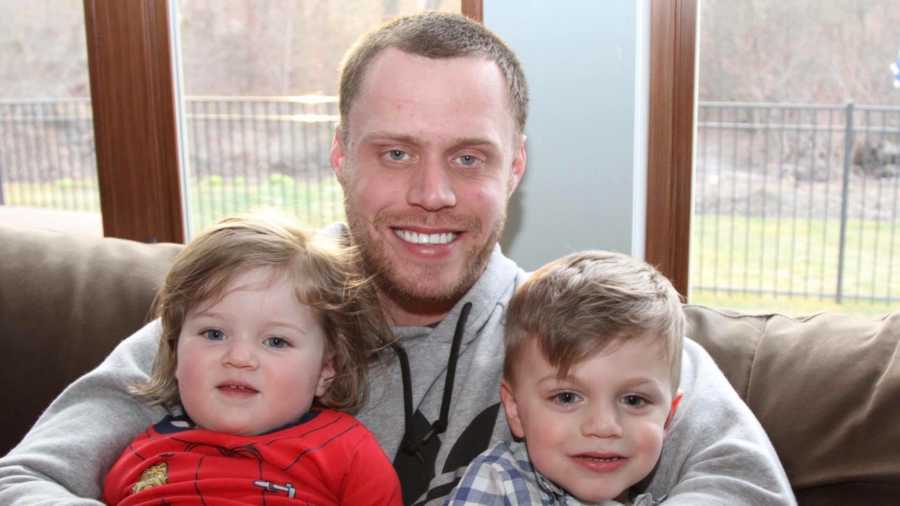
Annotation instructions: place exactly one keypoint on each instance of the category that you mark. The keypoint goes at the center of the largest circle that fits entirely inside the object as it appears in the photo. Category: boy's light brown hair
(433, 35)
(582, 303)
(325, 277)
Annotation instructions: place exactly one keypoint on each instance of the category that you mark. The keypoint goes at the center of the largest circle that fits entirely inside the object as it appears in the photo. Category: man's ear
(326, 375)
(511, 409)
(520, 161)
(338, 152)
(675, 402)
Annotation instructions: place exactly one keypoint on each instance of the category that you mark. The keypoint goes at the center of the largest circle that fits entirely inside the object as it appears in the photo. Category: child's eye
(213, 334)
(276, 342)
(634, 401)
(566, 398)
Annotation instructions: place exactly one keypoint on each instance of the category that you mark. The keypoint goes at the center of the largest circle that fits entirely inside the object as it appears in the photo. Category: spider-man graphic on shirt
(326, 458)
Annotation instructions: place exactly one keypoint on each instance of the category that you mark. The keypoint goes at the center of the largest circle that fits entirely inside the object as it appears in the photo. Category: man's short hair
(432, 35)
(582, 303)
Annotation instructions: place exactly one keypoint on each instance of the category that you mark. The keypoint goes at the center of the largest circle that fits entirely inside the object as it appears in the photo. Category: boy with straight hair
(590, 385)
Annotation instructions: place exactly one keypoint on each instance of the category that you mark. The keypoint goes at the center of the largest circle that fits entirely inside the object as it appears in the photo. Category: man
(429, 150)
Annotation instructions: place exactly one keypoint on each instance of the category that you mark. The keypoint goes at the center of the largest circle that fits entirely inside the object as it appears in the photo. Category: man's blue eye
(468, 160)
(214, 334)
(397, 154)
(276, 342)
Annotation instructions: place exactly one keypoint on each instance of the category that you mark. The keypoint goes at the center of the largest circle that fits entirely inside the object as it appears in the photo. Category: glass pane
(259, 86)
(48, 171)
(797, 162)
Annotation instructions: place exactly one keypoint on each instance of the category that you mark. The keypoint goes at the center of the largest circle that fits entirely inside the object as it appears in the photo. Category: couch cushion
(65, 302)
(827, 390)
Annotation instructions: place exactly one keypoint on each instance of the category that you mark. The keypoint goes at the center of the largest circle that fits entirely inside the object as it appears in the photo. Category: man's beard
(414, 292)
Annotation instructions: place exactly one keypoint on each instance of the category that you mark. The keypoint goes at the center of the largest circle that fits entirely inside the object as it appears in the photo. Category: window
(48, 171)
(259, 103)
(794, 189)
(132, 87)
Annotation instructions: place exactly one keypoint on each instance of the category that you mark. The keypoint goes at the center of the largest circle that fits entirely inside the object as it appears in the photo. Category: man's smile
(425, 238)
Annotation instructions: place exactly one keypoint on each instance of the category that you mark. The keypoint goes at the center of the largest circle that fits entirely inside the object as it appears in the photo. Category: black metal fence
(242, 153)
(47, 154)
(797, 200)
(791, 200)
(247, 153)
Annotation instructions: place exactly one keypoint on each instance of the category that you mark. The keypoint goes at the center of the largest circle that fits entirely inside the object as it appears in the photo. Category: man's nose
(240, 354)
(601, 422)
(431, 186)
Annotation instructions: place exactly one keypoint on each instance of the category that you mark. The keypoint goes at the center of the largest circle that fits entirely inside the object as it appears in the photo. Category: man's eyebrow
(474, 141)
(388, 136)
(409, 139)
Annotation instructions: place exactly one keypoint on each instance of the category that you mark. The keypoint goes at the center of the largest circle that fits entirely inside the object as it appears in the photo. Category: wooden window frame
(135, 132)
(135, 124)
(472, 9)
(673, 28)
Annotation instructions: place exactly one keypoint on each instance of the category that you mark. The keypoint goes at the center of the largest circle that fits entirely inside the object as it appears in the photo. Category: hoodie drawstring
(410, 444)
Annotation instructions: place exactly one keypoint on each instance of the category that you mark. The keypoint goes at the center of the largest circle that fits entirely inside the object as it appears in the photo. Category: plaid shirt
(503, 475)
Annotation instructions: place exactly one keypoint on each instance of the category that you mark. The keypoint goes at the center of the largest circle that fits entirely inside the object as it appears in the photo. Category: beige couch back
(65, 302)
(826, 388)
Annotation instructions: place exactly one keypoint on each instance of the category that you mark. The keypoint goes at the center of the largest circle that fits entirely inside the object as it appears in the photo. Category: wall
(586, 65)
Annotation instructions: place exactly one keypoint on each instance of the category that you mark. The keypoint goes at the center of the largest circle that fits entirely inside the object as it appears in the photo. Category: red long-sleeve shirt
(328, 458)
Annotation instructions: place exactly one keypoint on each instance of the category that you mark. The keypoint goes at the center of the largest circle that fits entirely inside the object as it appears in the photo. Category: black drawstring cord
(410, 445)
(441, 424)
(407, 388)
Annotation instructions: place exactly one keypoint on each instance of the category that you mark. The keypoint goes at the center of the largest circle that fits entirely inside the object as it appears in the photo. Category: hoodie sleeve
(65, 455)
(716, 451)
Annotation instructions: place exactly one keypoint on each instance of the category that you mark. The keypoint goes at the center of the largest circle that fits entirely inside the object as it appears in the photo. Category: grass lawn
(66, 194)
(792, 266)
(793, 306)
(313, 203)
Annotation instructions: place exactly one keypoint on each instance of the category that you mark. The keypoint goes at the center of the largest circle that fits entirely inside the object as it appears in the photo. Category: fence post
(845, 183)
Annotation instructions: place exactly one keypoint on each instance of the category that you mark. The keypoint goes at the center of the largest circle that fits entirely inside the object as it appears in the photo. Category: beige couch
(826, 387)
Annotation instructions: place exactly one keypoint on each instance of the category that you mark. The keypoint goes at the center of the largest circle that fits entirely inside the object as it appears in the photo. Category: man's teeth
(417, 238)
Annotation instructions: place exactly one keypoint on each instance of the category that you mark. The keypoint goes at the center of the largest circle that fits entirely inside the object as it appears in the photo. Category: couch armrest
(65, 302)
(827, 390)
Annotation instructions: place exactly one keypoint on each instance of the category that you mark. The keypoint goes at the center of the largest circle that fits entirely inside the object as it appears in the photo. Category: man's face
(598, 430)
(432, 155)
